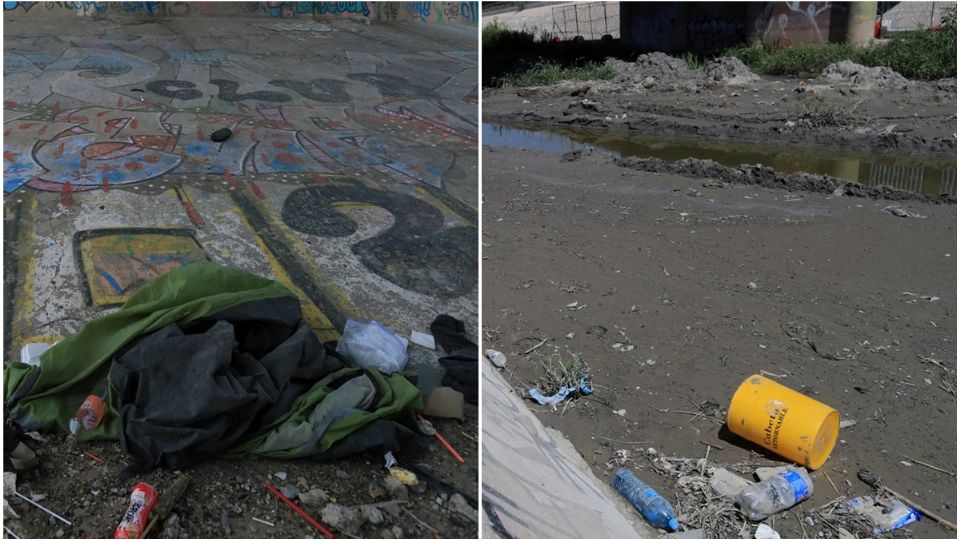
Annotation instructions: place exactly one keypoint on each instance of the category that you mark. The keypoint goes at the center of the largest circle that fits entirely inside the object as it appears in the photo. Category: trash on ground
(425, 427)
(91, 412)
(784, 421)
(654, 508)
(762, 473)
(621, 347)
(307, 517)
(424, 340)
(765, 532)
(848, 423)
(584, 388)
(726, 483)
(142, 500)
(496, 357)
(620, 412)
(775, 494)
(444, 402)
(901, 212)
(23, 497)
(31, 352)
(449, 448)
(369, 344)
(886, 512)
(407, 478)
(389, 460)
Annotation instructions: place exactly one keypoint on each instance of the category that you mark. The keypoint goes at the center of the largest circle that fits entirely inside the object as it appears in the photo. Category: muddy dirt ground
(708, 290)
(851, 108)
(223, 496)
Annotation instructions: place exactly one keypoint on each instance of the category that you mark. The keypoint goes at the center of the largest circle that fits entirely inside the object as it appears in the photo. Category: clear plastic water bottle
(776, 493)
(654, 508)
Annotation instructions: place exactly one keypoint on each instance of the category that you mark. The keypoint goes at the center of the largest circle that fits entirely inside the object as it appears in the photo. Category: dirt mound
(663, 68)
(850, 72)
(729, 70)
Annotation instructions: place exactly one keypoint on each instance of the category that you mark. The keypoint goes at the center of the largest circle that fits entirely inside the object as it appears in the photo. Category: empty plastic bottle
(775, 494)
(654, 508)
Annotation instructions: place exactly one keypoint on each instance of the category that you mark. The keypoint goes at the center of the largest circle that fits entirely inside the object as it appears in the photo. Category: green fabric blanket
(47, 397)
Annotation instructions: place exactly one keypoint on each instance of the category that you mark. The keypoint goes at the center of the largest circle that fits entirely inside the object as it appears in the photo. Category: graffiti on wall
(288, 10)
(783, 21)
(432, 12)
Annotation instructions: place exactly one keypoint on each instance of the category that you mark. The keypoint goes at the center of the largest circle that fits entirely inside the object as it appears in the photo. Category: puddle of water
(919, 174)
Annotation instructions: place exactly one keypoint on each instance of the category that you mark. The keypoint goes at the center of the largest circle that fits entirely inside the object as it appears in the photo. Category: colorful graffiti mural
(784, 22)
(111, 178)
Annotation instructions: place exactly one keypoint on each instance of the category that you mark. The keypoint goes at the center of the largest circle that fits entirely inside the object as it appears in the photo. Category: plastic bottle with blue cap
(654, 508)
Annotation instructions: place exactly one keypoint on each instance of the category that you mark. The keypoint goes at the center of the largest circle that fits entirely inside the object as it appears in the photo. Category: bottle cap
(673, 524)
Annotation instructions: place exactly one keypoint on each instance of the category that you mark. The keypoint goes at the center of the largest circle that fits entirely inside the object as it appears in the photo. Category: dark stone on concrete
(221, 135)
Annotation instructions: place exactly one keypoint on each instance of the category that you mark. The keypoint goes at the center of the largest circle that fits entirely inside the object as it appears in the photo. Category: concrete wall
(467, 13)
(708, 27)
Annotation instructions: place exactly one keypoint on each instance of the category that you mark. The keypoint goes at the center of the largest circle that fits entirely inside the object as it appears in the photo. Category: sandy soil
(711, 289)
(861, 113)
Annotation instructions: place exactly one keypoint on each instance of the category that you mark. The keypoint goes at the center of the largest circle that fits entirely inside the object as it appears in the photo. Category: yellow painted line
(314, 318)
(23, 305)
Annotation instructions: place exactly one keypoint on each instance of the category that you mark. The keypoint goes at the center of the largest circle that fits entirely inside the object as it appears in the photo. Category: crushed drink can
(142, 500)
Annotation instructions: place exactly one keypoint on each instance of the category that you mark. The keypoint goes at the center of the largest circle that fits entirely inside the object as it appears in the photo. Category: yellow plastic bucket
(784, 421)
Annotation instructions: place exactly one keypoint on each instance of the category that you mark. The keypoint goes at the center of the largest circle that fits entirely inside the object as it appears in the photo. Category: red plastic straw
(446, 445)
(316, 524)
(93, 457)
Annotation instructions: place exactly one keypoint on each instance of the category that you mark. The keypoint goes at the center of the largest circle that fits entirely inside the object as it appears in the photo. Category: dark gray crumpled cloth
(188, 393)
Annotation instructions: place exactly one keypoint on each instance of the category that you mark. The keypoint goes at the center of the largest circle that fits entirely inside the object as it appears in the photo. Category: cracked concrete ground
(350, 177)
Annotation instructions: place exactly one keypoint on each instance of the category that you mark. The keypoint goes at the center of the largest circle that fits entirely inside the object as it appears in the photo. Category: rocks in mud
(846, 71)
(171, 527)
(769, 178)
(728, 70)
(350, 519)
(314, 497)
(583, 106)
(574, 155)
(461, 511)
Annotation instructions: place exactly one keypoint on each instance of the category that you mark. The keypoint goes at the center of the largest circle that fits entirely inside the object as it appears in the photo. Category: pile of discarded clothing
(209, 361)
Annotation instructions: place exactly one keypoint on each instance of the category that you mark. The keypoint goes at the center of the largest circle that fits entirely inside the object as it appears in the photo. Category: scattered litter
(94, 457)
(424, 340)
(323, 530)
(389, 460)
(575, 306)
(765, 532)
(314, 497)
(265, 522)
(887, 513)
(25, 498)
(583, 388)
(142, 500)
(847, 423)
(425, 427)
(928, 298)
(405, 477)
(620, 347)
(906, 463)
(762, 473)
(693, 192)
(620, 412)
(456, 455)
(900, 212)
(654, 508)
(31, 352)
(798, 418)
(726, 483)
(775, 494)
(282, 475)
(370, 344)
(570, 335)
(752, 285)
(496, 357)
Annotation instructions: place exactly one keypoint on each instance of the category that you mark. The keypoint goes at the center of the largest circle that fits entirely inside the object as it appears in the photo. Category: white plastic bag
(369, 344)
